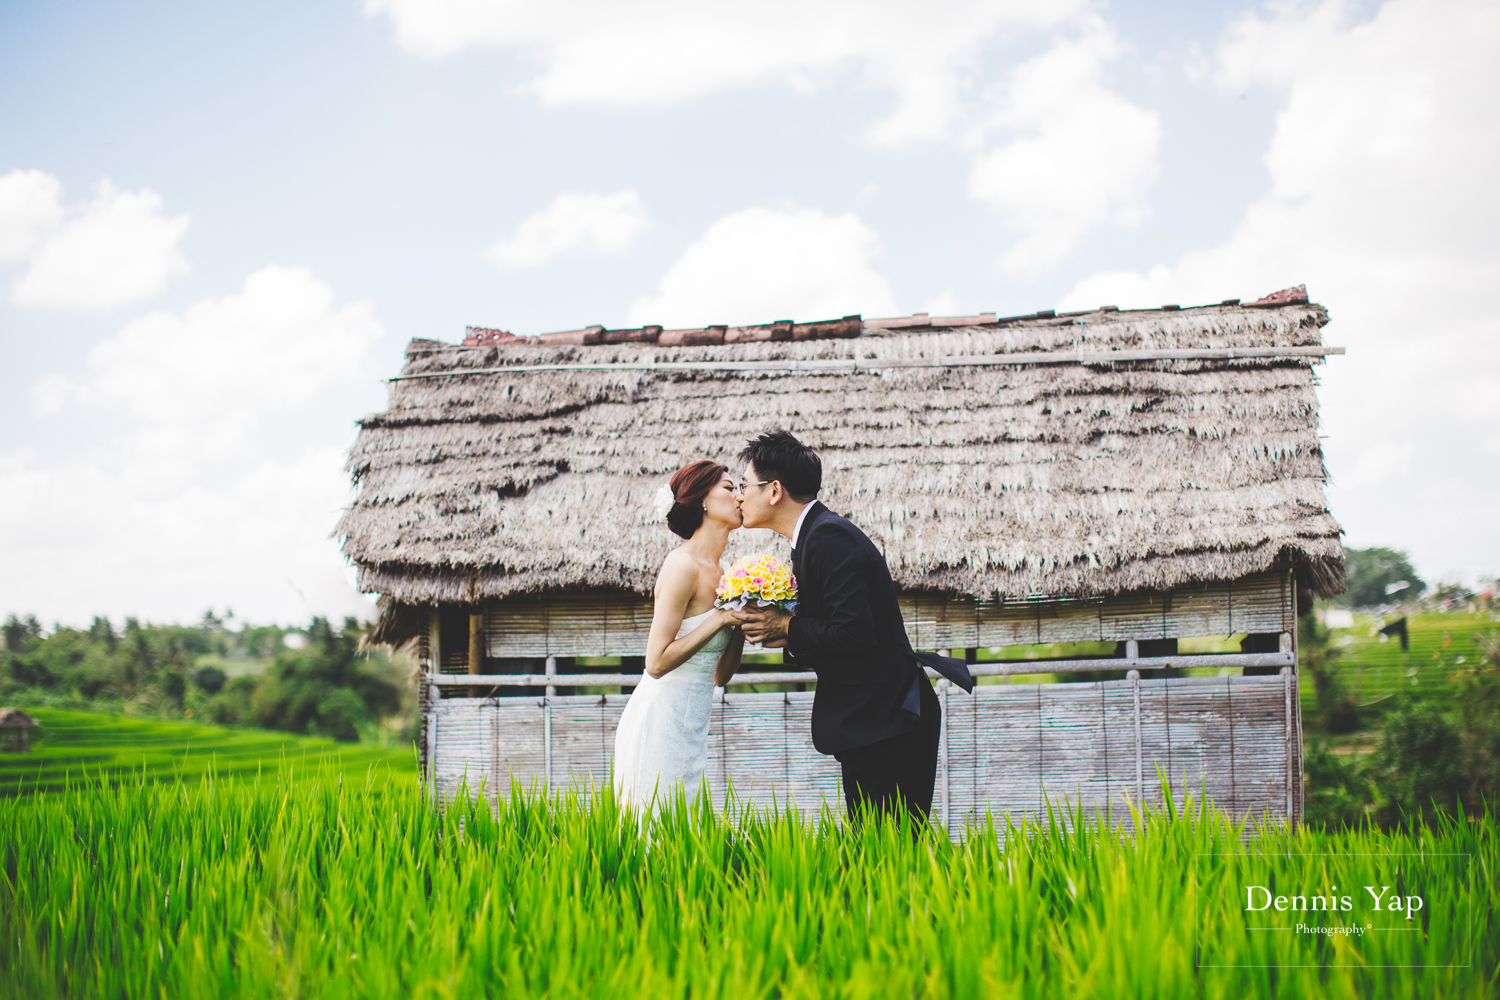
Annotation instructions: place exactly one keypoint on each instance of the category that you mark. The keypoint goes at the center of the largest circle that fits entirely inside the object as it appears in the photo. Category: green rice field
(318, 885)
(1375, 667)
(78, 745)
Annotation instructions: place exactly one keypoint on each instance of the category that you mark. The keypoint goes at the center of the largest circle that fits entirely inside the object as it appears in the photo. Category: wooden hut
(15, 730)
(1134, 478)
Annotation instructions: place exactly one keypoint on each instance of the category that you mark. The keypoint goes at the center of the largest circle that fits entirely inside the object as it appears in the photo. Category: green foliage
(1337, 712)
(1338, 793)
(317, 887)
(1428, 762)
(210, 680)
(1479, 723)
(1370, 571)
(322, 688)
(1418, 763)
(325, 688)
(20, 633)
(146, 663)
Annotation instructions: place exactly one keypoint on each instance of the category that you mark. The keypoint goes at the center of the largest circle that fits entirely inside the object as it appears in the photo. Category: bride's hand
(724, 617)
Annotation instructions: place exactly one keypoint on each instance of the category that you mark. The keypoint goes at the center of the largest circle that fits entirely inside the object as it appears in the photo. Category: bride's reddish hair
(690, 486)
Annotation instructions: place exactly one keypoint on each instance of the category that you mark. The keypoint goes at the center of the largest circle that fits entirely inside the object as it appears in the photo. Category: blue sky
(219, 226)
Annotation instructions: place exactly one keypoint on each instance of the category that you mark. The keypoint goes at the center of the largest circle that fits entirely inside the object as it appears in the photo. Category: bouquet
(758, 580)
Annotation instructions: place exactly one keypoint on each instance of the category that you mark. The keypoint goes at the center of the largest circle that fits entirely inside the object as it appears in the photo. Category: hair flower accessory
(662, 504)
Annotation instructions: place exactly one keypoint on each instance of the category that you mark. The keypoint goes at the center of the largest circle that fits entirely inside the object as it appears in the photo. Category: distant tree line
(1380, 576)
(326, 687)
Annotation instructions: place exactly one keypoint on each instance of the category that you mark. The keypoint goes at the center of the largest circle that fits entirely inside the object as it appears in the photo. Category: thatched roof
(978, 479)
(14, 718)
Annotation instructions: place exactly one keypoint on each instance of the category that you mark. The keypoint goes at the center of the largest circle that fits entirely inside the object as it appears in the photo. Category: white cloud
(660, 51)
(30, 210)
(1379, 462)
(945, 303)
(1080, 155)
(760, 264)
(118, 248)
(603, 223)
(1383, 202)
(173, 505)
(101, 538)
(209, 373)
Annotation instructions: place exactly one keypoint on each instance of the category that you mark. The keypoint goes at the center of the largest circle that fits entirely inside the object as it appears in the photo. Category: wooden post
(1296, 763)
(1287, 680)
(547, 720)
(476, 650)
(943, 762)
(431, 694)
(435, 641)
(431, 735)
(1134, 676)
(476, 644)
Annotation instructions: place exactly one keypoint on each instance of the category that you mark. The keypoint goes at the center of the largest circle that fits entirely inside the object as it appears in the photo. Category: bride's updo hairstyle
(690, 485)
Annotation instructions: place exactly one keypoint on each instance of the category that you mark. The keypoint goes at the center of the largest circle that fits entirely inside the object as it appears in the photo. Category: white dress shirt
(797, 531)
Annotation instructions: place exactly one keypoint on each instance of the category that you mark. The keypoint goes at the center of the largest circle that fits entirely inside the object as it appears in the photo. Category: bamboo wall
(1005, 747)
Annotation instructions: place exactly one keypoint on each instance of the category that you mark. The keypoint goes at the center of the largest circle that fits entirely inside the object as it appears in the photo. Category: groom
(875, 709)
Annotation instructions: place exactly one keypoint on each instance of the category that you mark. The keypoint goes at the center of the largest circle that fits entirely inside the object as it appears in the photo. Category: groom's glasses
(745, 486)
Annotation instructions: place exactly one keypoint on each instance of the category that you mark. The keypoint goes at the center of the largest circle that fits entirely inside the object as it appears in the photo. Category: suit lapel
(812, 515)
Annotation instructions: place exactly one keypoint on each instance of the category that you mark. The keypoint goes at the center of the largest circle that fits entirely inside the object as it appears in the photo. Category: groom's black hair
(778, 455)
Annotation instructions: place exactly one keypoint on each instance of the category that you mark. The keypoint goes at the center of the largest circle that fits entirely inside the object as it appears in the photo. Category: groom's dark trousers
(896, 775)
(875, 709)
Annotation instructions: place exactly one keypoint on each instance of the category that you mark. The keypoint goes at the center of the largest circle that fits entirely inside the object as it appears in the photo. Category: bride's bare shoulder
(679, 565)
(676, 582)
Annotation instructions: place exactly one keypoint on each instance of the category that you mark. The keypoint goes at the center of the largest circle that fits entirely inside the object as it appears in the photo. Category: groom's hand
(766, 627)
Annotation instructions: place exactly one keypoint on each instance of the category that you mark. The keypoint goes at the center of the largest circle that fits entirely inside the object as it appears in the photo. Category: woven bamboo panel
(583, 739)
(1073, 745)
(1135, 616)
(517, 628)
(1010, 624)
(1260, 745)
(1117, 719)
(485, 742)
(1261, 603)
(627, 627)
(762, 745)
(925, 617)
(1204, 610)
(1010, 749)
(1069, 621)
(618, 623)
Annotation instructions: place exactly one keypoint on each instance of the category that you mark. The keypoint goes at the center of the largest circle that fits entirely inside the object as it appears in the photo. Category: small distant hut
(15, 730)
(1133, 478)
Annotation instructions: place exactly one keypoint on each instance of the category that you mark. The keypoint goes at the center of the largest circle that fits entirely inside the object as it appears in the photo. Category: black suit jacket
(848, 629)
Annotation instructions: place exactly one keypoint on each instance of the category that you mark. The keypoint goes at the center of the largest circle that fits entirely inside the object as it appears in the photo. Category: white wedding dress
(662, 742)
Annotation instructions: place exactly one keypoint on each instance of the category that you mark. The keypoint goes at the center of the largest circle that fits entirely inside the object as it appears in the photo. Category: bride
(662, 740)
